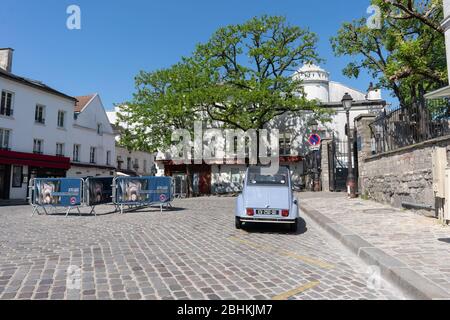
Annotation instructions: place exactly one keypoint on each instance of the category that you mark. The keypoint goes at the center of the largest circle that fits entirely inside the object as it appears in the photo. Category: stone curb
(410, 282)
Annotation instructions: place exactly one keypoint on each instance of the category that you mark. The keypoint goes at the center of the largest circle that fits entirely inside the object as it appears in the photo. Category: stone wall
(399, 177)
(404, 175)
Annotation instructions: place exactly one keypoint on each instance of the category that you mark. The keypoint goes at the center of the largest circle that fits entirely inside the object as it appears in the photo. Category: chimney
(373, 93)
(6, 59)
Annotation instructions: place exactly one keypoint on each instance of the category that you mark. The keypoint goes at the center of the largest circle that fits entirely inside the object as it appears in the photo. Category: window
(128, 163)
(76, 152)
(108, 158)
(145, 166)
(39, 115)
(255, 177)
(6, 105)
(38, 146)
(61, 119)
(285, 144)
(99, 129)
(119, 163)
(92, 156)
(5, 135)
(136, 164)
(60, 149)
(17, 177)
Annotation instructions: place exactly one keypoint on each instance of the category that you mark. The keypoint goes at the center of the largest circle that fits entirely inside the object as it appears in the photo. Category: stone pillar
(325, 172)
(364, 142)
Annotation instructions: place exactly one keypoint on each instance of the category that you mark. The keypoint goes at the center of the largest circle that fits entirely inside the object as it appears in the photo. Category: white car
(267, 199)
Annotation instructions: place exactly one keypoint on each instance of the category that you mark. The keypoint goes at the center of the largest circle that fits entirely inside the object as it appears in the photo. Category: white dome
(311, 72)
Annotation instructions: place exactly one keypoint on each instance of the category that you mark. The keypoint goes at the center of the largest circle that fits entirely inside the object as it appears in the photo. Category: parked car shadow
(446, 240)
(275, 228)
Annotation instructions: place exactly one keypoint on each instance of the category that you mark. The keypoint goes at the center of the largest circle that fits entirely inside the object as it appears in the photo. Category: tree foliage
(406, 55)
(240, 78)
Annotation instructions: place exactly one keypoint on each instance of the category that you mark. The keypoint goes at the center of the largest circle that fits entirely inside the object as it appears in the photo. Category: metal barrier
(136, 192)
(69, 193)
(56, 193)
(98, 191)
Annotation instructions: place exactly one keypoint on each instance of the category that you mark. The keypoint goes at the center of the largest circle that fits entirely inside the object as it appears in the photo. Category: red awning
(34, 160)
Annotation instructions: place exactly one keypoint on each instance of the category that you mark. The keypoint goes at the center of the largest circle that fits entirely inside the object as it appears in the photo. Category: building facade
(31, 136)
(45, 133)
(93, 152)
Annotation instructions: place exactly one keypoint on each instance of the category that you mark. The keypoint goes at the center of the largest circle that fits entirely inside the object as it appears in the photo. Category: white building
(134, 162)
(35, 130)
(93, 151)
(38, 133)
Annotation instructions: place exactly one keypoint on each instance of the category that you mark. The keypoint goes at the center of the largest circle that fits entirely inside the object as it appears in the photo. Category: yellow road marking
(285, 253)
(294, 292)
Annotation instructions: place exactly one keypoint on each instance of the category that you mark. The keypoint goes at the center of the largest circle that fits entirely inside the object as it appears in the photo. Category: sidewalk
(413, 251)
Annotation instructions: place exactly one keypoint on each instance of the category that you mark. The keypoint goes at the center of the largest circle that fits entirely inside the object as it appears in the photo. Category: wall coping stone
(359, 117)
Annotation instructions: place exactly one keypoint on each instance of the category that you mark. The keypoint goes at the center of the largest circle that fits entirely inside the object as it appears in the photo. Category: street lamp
(347, 102)
(314, 125)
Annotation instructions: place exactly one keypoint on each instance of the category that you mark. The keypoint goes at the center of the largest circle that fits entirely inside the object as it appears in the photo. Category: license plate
(267, 212)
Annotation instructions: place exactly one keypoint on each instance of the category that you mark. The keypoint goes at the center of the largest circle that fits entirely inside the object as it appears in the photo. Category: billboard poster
(143, 190)
(58, 192)
(161, 188)
(99, 191)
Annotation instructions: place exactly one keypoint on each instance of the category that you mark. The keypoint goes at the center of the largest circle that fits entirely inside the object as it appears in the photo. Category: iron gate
(337, 165)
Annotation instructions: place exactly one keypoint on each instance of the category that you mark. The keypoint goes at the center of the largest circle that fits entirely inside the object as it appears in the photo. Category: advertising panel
(144, 190)
(98, 191)
(56, 192)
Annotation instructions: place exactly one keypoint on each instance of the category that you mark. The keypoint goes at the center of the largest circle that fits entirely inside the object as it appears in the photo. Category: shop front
(17, 169)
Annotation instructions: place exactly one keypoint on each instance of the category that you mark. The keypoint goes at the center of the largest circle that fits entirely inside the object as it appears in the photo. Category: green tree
(241, 78)
(251, 67)
(406, 55)
(165, 100)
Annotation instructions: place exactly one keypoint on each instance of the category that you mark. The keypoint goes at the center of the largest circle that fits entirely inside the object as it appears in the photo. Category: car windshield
(256, 178)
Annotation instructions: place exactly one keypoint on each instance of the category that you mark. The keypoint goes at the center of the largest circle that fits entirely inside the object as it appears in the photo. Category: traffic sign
(315, 140)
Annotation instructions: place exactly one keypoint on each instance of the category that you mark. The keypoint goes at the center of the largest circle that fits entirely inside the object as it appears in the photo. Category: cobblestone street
(191, 252)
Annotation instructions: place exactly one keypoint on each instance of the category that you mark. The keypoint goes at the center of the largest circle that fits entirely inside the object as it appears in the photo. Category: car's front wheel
(238, 223)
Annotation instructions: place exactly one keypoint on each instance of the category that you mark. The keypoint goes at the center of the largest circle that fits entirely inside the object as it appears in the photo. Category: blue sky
(119, 38)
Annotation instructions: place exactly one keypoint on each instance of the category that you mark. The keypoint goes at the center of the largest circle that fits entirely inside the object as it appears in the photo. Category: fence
(404, 127)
